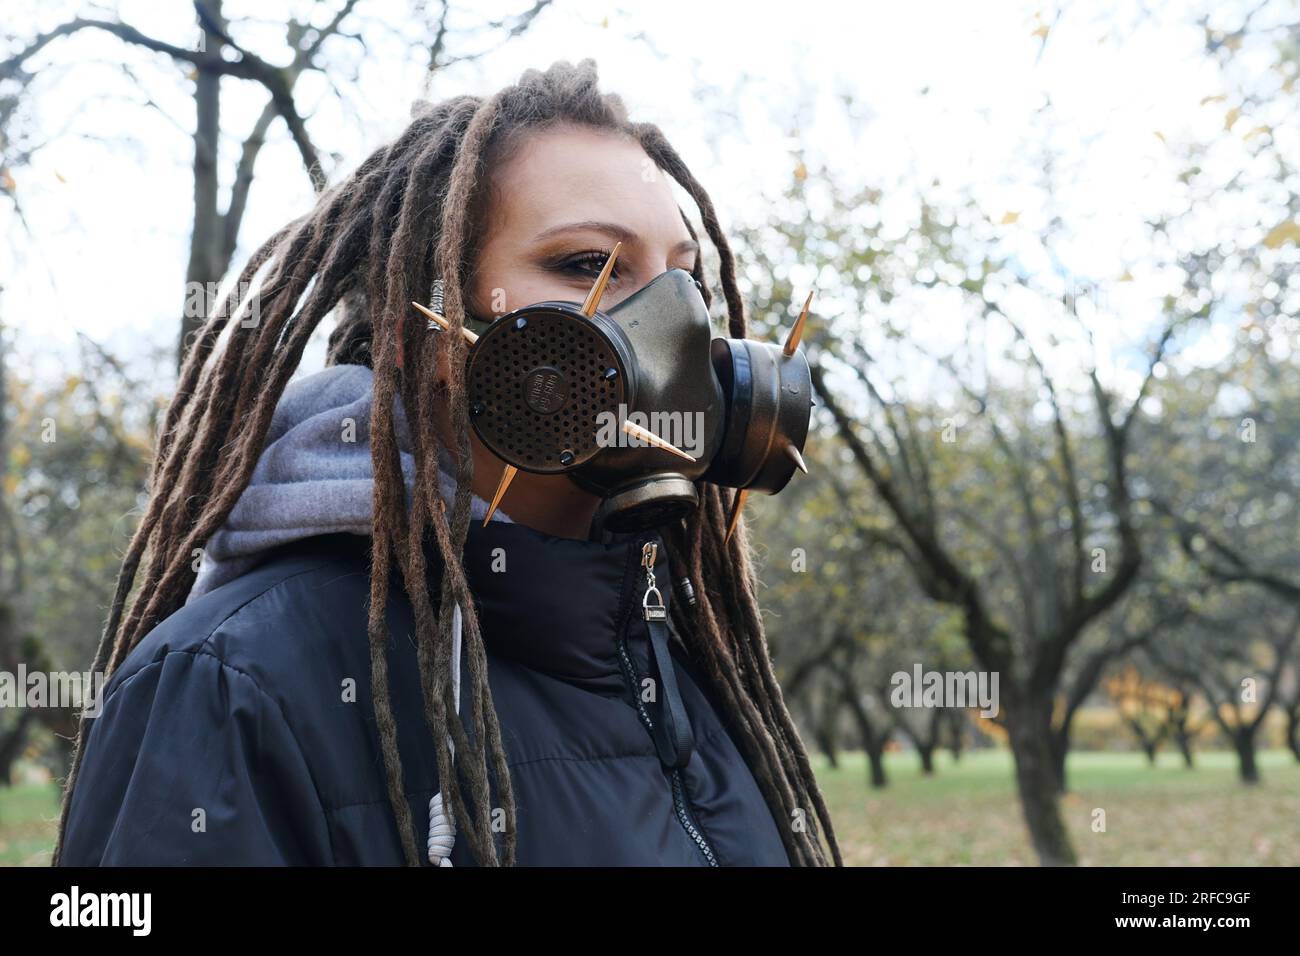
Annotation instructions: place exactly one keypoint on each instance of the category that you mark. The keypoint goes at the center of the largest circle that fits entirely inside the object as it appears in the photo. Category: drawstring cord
(442, 827)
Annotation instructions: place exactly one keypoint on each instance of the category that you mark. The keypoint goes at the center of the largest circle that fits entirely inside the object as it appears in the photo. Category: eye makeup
(585, 265)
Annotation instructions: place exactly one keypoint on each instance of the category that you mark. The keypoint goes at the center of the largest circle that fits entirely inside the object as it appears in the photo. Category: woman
(246, 720)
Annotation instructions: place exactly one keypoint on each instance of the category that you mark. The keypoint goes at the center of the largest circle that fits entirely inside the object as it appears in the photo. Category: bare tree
(1052, 559)
(219, 56)
(1233, 645)
(1151, 608)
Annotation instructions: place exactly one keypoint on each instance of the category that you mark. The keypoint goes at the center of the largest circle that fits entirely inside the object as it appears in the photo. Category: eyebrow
(613, 230)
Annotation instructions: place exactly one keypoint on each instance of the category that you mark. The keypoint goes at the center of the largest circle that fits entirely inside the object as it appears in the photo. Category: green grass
(967, 813)
(29, 817)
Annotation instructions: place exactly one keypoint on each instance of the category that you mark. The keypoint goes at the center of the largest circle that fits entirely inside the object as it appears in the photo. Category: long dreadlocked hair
(373, 243)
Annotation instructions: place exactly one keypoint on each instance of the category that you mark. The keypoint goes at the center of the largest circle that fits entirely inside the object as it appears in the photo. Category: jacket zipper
(630, 673)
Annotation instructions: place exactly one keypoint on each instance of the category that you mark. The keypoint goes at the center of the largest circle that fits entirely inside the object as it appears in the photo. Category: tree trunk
(1178, 722)
(956, 734)
(1243, 741)
(926, 752)
(1038, 781)
(872, 741)
(933, 735)
(826, 729)
(1293, 730)
(1059, 741)
(876, 758)
(826, 743)
(927, 742)
(204, 265)
(12, 745)
(1150, 743)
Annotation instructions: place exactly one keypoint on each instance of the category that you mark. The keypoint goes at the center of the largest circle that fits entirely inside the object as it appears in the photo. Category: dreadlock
(365, 252)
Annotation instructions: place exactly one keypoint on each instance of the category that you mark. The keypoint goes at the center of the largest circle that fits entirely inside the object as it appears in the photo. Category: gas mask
(639, 403)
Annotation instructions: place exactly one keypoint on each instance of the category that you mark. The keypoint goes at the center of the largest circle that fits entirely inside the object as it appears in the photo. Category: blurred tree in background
(1024, 485)
(327, 41)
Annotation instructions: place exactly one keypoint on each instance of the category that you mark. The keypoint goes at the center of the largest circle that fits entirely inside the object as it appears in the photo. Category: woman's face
(559, 203)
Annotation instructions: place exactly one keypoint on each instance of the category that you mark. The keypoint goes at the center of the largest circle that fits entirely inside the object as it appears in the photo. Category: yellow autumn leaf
(1126, 277)
(1218, 98)
(1160, 136)
(1231, 117)
(59, 176)
(1010, 218)
(7, 181)
(801, 172)
(1283, 233)
(1042, 31)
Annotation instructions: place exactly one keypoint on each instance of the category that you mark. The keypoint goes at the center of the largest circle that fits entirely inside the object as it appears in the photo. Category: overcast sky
(947, 97)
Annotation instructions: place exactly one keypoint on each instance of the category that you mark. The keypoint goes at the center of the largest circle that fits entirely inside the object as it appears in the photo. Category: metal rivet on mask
(520, 323)
(477, 408)
(566, 457)
(610, 373)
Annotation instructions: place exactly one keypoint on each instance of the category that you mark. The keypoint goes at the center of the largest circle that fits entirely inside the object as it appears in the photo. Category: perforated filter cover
(536, 392)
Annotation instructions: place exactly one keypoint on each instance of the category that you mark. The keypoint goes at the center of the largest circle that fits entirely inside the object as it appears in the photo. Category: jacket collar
(558, 605)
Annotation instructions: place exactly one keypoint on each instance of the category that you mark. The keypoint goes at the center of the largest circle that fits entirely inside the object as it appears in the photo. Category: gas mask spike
(636, 431)
(795, 457)
(507, 476)
(741, 495)
(792, 340)
(598, 289)
(470, 337)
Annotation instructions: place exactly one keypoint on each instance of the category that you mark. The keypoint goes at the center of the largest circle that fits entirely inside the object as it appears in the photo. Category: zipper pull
(655, 611)
(674, 739)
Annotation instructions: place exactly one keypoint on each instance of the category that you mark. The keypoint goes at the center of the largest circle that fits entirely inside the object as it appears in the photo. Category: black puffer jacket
(228, 736)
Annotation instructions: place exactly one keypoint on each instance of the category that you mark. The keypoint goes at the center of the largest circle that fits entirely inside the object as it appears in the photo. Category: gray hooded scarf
(314, 475)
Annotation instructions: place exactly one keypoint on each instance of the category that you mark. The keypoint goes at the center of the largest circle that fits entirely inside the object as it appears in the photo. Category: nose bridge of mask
(674, 391)
(667, 324)
(676, 397)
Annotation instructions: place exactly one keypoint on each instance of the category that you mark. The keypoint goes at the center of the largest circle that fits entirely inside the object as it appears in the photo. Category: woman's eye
(588, 265)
